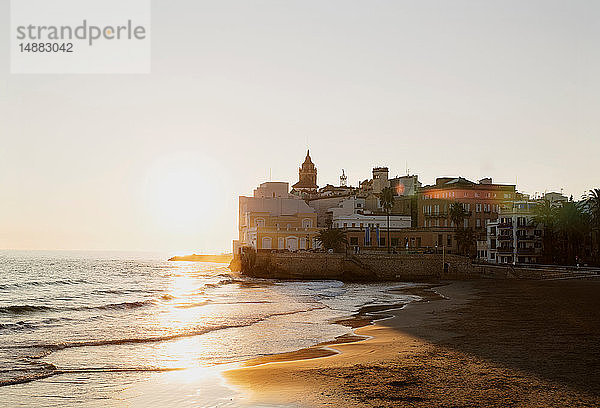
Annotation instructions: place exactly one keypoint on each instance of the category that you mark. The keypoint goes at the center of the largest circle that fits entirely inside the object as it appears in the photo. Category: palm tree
(593, 204)
(464, 236)
(457, 214)
(546, 215)
(332, 238)
(573, 226)
(387, 202)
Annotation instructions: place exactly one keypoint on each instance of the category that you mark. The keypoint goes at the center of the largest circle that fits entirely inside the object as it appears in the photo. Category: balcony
(525, 251)
(504, 237)
(437, 215)
(525, 237)
(505, 250)
(505, 225)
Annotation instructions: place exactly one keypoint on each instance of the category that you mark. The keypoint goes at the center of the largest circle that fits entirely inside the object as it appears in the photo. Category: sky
(239, 89)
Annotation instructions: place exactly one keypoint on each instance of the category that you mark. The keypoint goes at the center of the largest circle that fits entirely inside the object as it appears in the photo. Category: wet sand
(486, 343)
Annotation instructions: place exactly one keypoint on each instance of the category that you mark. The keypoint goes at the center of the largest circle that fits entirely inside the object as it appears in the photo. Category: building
(405, 185)
(365, 229)
(555, 199)
(515, 237)
(275, 219)
(481, 201)
(307, 178)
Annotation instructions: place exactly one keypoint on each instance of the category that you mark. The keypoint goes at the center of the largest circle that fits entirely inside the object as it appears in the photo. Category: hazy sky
(502, 89)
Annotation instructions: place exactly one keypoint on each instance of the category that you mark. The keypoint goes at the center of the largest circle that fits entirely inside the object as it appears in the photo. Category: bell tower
(307, 176)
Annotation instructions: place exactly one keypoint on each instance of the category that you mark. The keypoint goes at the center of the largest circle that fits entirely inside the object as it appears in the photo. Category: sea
(106, 329)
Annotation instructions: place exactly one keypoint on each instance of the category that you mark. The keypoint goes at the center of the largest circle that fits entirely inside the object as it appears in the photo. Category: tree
(332, 238)
(457, 214)
(566, 230)
(573, 227)
(387, 202)
(464, 236)
(593, 205)
(545, 215)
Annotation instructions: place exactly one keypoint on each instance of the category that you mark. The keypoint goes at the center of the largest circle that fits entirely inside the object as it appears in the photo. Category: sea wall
(388, 267)
(363, 267)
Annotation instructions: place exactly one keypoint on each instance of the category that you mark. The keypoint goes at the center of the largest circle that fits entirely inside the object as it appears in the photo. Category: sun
(180, 192)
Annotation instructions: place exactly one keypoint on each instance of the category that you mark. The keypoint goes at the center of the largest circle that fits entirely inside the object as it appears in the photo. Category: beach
(477, 343)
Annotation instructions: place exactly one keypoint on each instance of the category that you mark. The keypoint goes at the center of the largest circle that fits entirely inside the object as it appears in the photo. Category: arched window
(266, 243)
(260, 222)
(291, 243)
(306, 223)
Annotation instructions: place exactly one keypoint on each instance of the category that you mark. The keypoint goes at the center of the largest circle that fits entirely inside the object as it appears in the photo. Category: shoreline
(366, 316)
(471, 348)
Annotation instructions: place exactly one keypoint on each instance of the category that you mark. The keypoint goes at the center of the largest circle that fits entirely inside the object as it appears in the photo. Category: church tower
(307, 177)
(343, 179)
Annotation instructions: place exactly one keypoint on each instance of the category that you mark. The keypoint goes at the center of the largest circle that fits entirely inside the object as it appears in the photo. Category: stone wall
(363, 267)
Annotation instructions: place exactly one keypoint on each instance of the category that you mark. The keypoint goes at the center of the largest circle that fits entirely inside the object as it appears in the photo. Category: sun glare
(180, 193)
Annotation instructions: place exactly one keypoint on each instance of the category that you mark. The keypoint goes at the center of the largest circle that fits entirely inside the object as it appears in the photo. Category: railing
(437, 215)
(525, 251)
(504, 237)
(505, 225)
(525, 237)
(505, 250)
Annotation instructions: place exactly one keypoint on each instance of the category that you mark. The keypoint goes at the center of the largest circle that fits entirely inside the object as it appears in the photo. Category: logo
(80, 36)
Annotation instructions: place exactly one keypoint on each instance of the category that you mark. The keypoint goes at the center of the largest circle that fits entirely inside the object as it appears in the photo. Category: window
(353, 240)
(266, 243)
(478, 207)
(466, 223)
(260, 222)
(381, 241)
(281, 243)
(394, 242)
(449, 240)
(306, 223)
(478, 223)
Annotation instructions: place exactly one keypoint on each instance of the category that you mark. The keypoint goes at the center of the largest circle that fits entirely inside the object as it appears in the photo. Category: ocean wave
(155, 339)
(16, 326)
(23, 309)
(115, 306)
(28, 309)
(42, 283)
(20, 376)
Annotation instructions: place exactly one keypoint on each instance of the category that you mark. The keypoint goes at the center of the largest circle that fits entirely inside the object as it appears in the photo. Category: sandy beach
(479, 343)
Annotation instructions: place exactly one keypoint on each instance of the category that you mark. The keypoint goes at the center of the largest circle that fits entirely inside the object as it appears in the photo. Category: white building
(514, 237)
(350, 213)
(275, 219)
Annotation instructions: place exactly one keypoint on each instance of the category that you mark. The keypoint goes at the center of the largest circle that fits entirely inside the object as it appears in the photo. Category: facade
(307, 178)
(275, 219)
(555, 199)
(405, 185)
(363, 228)
(514, 237)
(482, 202)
